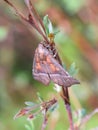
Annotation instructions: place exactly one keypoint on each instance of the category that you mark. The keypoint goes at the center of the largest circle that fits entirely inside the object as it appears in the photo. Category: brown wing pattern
(46, 68)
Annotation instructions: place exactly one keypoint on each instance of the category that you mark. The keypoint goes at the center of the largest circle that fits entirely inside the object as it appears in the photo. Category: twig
(68, 107)
(31, 17)
(66, 99)
(34, 20)
(36, 15)
(87, 117)
(44, 121)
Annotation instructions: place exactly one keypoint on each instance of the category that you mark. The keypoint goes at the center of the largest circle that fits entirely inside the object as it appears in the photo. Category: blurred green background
(76, 42)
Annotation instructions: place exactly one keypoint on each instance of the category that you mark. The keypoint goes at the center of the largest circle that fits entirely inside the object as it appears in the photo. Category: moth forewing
(46, 68)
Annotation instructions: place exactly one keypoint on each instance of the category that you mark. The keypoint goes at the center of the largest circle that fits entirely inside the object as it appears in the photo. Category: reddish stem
(68, 107)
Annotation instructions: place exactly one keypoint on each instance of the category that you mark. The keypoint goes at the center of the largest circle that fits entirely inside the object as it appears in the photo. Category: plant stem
(44, 121)
(66, 99)
(68, 108)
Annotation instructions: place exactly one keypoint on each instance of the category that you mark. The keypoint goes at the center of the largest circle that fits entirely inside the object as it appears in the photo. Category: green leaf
(72, 70)
(39, 96)
(82, 113)
(53, 107)
(56, 31)
(48, 25)
(28, 127)
(28, 103)
(31, 124)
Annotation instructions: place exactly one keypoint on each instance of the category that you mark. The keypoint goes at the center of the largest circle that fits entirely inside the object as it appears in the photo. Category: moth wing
(39, 68)
(58, 74)
(46, 68)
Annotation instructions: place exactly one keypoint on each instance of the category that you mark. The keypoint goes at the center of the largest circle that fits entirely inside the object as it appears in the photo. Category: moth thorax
(51, 38)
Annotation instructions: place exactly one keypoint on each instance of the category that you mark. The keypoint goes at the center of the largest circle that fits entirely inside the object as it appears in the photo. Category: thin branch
(88, 117)
(44, 120)
(17, 12)
(66, 99)
(37, 16)
(68, 107)
(31, 17)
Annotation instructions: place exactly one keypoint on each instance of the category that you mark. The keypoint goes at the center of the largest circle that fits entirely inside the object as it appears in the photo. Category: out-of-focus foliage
(76, 42)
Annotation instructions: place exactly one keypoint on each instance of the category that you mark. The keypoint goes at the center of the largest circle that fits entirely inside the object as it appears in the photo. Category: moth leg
(45, 45)
(55, 54)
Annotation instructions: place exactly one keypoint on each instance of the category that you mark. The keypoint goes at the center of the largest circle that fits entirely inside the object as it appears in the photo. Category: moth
(46, 64)
(46, 68)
